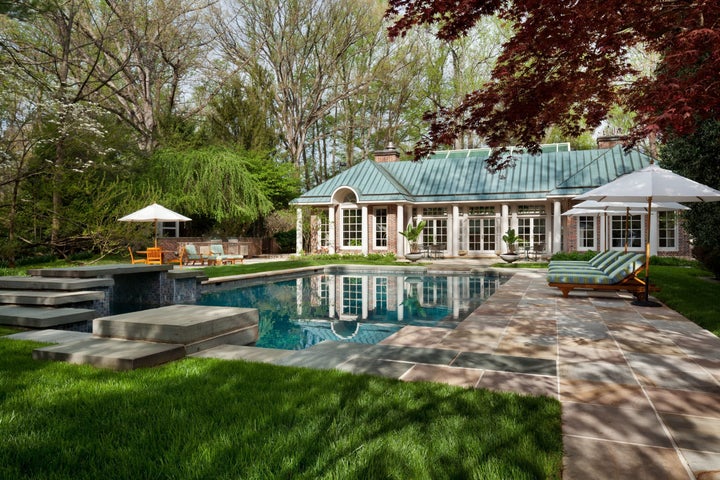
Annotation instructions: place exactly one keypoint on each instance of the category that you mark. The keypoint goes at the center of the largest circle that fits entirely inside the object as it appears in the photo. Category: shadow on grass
(205, 418)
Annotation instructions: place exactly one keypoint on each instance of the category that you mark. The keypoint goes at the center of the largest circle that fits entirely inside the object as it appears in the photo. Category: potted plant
(511, 240)
(412, 233)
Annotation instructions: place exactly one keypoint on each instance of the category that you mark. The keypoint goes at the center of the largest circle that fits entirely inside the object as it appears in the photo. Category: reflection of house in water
(367, 309)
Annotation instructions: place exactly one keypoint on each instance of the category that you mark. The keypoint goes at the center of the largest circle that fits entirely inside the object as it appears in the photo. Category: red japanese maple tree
(566, 61)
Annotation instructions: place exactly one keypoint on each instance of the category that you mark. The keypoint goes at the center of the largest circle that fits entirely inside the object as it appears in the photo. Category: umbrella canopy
(635, 207)
(154, 213)
(651, 184)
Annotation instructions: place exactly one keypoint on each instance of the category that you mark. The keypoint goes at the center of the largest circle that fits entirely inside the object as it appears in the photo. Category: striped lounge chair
(601, 260)
(220, 257)
(619, 274)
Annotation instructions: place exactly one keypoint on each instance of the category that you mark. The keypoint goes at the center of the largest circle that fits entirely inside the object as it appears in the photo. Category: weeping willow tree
(212, 182)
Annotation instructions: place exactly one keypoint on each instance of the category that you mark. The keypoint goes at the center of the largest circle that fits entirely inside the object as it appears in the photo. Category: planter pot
(413, 257)
(509, 257)
(462, 253)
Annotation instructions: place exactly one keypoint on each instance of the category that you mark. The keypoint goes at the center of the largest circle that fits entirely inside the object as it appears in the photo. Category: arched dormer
(345, 196)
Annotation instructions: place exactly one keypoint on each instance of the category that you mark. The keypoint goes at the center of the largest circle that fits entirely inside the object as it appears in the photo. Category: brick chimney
(609, 141)
(389, 154)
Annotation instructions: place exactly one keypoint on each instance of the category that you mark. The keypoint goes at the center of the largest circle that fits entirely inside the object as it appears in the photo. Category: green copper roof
(461, 176)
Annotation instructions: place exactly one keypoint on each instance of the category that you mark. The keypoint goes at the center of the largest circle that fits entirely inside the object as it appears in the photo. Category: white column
(602, 241)
(365, 285)
(400, 240)
(557, 228)
(331, 229)
(299, 296)
(365, 230)
(504, 226)
(331, 296)
(298, 232)
(455, 241)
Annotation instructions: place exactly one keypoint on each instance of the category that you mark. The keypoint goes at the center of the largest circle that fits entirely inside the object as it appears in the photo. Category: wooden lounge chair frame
(630, 284)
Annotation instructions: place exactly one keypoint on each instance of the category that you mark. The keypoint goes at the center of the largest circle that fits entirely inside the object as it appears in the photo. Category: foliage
(211, 181)
(562, 66)
(511, 240)
(412, 233)
(583, 256)
(695, 156)
(286, 240)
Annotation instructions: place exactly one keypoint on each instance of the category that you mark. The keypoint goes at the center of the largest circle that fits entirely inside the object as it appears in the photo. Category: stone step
(94, 271)
(241, 336)
(43, 283)
(111, 353)
(48, 297)
(178, 324)
(43, 317)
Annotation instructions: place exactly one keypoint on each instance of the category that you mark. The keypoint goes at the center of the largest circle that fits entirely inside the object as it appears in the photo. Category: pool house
(467, 209)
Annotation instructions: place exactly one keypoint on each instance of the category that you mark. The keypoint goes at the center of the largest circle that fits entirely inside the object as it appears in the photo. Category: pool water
(358, 307)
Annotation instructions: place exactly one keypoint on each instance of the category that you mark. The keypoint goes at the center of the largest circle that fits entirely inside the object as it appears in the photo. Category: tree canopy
(567, 64)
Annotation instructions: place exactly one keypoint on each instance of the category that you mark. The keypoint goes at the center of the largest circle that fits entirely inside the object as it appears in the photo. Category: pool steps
(151, 337)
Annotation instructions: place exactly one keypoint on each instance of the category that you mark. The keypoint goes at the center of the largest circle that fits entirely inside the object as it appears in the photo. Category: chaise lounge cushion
(624, 266)
(599, 261)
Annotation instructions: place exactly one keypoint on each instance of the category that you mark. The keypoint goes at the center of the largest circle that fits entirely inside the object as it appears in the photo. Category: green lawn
(206, 418)
(690, 290)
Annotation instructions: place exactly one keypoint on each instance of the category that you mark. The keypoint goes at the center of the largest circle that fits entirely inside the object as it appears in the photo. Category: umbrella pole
(646, 302)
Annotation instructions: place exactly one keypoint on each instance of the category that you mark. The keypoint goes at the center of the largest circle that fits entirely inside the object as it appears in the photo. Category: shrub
(286, 241)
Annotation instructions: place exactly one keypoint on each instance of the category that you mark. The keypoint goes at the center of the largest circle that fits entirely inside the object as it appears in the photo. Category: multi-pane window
(481, 230)
(586, 233)
(434, 212)
(667, 230)
(352, 227)
(323, 231)
(435, 231)
(381, 295)
(381, 225)
(531, 231)
(169, 229)
(481, 234)
(352, 296)
(626, 228)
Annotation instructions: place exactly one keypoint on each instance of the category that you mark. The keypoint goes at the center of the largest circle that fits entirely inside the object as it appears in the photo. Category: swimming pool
(361, 307)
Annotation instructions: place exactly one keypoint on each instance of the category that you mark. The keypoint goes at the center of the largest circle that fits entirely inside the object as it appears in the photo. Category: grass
(305, 261)
(206, 418)
(690, 290)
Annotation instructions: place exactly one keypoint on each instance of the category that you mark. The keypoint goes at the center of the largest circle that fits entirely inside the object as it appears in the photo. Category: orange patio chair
(134, 260)
(154, 256)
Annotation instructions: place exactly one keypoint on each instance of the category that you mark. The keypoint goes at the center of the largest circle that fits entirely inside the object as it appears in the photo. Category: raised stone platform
(43, 317)
(48, 297)
(155, 336)
(94, 271)
(42, 283)
(183, 324)
(112, 353)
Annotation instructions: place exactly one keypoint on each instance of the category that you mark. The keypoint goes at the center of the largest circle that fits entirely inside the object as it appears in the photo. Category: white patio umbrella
(154, 213)
(648, 185)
